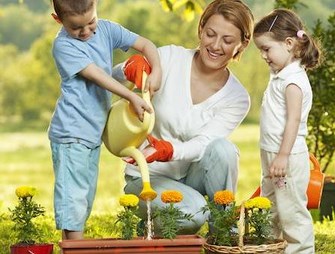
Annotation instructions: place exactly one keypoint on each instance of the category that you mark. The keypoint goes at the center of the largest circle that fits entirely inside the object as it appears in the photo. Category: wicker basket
(275, 247)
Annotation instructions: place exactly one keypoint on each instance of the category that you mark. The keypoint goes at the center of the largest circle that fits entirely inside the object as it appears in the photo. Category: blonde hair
(283, 23)
(236, 12)
(72, 7)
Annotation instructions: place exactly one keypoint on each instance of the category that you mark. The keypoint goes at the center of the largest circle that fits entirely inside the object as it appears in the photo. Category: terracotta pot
(183, 244)
(31, 249)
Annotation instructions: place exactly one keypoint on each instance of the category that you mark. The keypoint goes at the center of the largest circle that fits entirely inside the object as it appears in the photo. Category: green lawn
(25, 160)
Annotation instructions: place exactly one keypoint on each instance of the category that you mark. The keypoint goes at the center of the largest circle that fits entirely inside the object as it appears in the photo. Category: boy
(83, 52)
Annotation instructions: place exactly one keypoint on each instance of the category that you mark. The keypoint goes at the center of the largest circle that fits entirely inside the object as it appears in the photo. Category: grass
(25, 160)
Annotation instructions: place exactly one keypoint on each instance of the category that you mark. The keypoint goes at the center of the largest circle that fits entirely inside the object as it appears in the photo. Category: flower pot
(327, 206)
(183, 244)
(31, 249)
(277, 246)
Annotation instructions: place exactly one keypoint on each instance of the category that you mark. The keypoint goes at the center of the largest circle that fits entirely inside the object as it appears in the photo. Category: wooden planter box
(183, 244)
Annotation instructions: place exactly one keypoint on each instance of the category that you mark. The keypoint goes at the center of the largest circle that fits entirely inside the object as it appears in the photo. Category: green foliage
(187, 9)
(224, 222)
(289, 4)
(128, 220)
(23, 216)
(321, 122)
(260, 224)
(169, 218)
(27, 28)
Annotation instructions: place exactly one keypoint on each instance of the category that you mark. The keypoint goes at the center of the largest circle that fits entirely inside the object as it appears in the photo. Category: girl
(289, 51)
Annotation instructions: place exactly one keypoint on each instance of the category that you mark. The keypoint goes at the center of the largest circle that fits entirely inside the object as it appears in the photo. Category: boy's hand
(134, 68)
(139, 106)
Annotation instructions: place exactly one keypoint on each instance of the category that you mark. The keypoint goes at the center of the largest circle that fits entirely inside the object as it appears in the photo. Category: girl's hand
(279, 165)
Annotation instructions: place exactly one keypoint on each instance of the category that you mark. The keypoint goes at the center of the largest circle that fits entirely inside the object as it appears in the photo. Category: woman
(199, 104)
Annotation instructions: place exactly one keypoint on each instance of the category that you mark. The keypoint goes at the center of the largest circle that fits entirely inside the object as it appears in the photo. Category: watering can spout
(147, 193)
(124, 133)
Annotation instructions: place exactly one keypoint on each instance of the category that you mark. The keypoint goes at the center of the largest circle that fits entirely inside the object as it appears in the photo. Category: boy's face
(81, 27)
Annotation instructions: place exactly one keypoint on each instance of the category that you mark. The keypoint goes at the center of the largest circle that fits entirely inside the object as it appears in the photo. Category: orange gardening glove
(134, 68)
(164, 150)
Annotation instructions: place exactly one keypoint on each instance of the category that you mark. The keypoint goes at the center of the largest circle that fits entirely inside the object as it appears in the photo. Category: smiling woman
(199, 105)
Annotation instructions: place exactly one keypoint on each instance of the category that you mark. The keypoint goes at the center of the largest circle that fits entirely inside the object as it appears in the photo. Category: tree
(185, 8)
(321, 122)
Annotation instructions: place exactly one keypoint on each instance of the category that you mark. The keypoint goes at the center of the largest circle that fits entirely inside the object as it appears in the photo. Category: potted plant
(240, 229)
(23, 215)
(129, 243)
(169, 217)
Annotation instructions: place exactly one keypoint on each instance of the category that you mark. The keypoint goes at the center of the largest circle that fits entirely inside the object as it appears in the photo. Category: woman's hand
(134, 67)
(133, 70)
(156, 150)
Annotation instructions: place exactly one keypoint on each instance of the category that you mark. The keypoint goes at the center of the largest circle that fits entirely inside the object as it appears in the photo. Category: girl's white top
(273, 115)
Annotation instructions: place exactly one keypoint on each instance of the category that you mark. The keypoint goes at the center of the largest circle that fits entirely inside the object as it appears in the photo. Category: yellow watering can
(124, 133)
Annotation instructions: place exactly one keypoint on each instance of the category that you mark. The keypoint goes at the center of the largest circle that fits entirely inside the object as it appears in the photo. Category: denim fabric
(76, 170)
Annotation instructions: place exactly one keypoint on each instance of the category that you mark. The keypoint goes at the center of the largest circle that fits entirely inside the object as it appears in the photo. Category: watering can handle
(316, 165)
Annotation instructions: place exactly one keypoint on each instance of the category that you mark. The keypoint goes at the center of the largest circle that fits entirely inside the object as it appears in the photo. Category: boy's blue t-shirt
(82, 108)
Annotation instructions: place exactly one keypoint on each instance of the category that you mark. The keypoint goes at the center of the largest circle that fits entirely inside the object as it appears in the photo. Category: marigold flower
(171, 196)
(25, 191)
(223, 197)
(129, 200)
(258, 202)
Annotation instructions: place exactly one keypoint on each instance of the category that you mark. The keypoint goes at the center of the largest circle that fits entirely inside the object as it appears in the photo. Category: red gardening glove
(134, 68)
(164, 150)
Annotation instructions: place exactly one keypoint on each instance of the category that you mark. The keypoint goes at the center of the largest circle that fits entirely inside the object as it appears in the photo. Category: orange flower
(223, 197)
(171, 196)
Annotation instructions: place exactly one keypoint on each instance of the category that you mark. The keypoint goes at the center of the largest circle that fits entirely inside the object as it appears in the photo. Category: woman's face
(220, 40)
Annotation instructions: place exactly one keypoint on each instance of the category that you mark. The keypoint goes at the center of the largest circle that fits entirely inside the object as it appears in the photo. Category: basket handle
(241, 225)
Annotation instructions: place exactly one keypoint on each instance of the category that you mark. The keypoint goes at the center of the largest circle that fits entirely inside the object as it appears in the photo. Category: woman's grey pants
(217, 170)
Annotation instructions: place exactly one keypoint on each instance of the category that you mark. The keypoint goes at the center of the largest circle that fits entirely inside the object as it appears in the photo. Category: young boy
(83, 52)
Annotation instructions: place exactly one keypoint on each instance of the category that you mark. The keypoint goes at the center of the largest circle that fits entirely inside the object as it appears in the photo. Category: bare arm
(98, 76)
(293, 96)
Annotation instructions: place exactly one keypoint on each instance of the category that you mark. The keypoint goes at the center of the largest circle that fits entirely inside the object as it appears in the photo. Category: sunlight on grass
(26, 160)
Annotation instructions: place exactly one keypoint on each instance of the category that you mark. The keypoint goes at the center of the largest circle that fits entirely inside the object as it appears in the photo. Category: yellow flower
(171, 196)
(223, 197)
(25, 191)
(129, 200)
(258, 202)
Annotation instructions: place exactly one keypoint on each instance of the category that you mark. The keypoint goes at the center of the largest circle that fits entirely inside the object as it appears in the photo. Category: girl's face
(220, 40)
(81, 27)
(276, 54)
